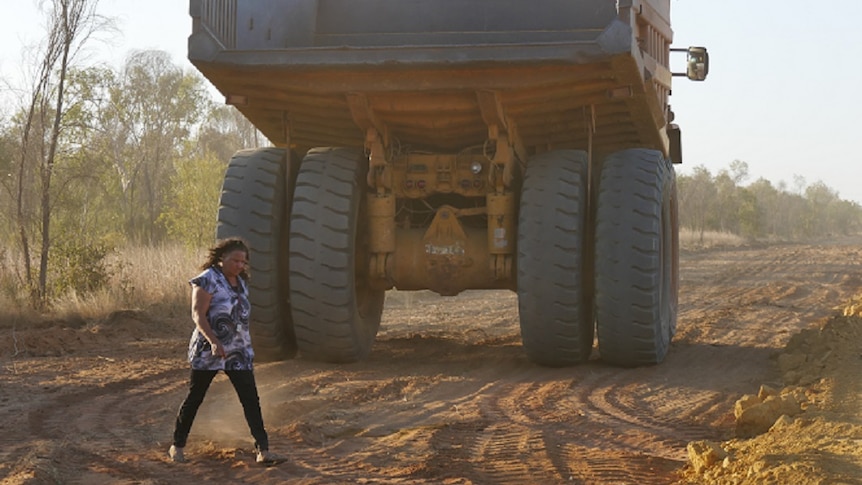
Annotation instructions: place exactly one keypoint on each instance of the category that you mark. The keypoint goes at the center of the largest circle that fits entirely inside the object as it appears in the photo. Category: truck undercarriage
(449, 146)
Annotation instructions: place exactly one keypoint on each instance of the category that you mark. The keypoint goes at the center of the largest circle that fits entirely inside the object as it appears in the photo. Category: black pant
(246, 389)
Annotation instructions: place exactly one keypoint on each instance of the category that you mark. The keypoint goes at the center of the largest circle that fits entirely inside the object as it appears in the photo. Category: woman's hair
(224, 246)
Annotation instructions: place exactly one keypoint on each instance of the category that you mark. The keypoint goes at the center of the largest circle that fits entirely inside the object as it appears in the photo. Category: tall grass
(691, 239)
(154, 279)
(13, 296)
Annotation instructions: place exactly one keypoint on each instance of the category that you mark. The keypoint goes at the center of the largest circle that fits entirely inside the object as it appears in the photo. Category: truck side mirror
(698, 63)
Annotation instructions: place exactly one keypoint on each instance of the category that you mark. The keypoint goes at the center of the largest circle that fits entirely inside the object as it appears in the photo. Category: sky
(783, 93)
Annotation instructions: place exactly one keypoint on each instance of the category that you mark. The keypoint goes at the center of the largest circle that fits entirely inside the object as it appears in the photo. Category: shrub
(79, 267)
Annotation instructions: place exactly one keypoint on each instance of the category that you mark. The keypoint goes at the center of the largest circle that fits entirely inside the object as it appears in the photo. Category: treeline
(95, 157)
(138, 158)
(722, 202)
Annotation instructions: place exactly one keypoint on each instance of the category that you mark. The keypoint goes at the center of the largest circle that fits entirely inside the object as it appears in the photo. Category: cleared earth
(449, 397)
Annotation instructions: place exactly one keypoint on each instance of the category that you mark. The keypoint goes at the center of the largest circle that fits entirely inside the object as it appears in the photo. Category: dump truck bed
(429, 73)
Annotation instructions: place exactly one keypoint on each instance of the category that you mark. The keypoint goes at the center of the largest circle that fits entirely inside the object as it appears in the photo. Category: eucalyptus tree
(86, 198)
(40, 125)
(224, 131)
(155, 107)
(697, 199)
(769, 204)
(7, 184)
(819, 217)
(190, 215)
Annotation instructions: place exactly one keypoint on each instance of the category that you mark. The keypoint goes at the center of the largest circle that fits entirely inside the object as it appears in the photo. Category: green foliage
(190, 215)
(224, 131)
(750, 216)
(130, 167)
(10, 285)
(5, 155)
(719, 203)
(79, 266)
(154, 109)
(7, 185)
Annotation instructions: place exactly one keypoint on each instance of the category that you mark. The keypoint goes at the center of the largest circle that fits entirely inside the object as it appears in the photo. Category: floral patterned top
(228, 316)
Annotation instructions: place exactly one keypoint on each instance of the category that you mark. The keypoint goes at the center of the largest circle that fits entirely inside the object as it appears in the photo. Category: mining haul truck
(449, 145)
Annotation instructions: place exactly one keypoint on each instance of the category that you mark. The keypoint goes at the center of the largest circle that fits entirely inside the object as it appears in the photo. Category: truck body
(452, 145)
(427, 70)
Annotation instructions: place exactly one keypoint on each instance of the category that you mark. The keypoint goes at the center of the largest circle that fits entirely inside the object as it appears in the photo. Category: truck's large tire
(254, 205)
(637, 258)
(553, 300)
(336, 313)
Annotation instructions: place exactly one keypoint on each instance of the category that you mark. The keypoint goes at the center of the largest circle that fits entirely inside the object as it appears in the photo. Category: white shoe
(266, 457)
(176, 454)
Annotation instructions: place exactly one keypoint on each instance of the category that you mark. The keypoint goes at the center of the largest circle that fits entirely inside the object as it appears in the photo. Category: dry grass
(14, 306)
(156, 279)
(690, 239)
(157, 276)
(142, 278)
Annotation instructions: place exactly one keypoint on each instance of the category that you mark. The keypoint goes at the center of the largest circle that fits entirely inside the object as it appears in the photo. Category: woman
(221, 341)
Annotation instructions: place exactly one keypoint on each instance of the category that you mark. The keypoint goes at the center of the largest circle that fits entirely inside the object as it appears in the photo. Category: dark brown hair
(216, 253)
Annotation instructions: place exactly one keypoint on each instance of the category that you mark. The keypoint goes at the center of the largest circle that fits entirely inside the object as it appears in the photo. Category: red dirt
(448, 396)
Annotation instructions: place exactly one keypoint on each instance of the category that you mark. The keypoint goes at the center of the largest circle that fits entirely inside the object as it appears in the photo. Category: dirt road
(446, 397)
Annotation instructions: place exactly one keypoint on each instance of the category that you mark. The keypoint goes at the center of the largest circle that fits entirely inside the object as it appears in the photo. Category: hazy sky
(783, 94)
(784, 91)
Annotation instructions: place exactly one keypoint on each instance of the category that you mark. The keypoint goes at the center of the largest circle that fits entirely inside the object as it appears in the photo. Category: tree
(720, 203)
(818, 217)
(224, 131)
(7, 186)
(727, 206)
(738, 171)
(749, 214)
(70, 24)
(154, 109)
(86, 177)
(846, 216)
(190, 215)
(768, 200)
(697, 195)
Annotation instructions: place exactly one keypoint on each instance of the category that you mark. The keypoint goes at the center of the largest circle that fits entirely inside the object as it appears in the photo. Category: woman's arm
(200, 305)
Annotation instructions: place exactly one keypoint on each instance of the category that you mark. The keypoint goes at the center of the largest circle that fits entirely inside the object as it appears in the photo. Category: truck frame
(451, 145)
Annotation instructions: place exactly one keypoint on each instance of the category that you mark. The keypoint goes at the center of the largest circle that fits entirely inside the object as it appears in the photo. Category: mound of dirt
(810, 431)
(71, 336)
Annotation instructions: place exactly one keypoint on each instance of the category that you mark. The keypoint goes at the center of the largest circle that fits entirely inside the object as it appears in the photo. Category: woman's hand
(218, 348)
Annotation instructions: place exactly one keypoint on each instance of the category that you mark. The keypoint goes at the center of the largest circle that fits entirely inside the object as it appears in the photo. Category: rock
(755, 420)
(704, 454)
(754, 416)
(782, 422)
(789, 405)
(766, 391)
(758, 467)
(744, 403)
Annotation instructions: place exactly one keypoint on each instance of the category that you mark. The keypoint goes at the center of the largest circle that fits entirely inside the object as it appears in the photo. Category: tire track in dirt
(778, 289)
(515, 446)
(83, 416)
(82, 421)
(561, 423)
(664, 417)
(346, 426)
(661, 414)
(447, 395)
(98, 410)
(595, 423)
